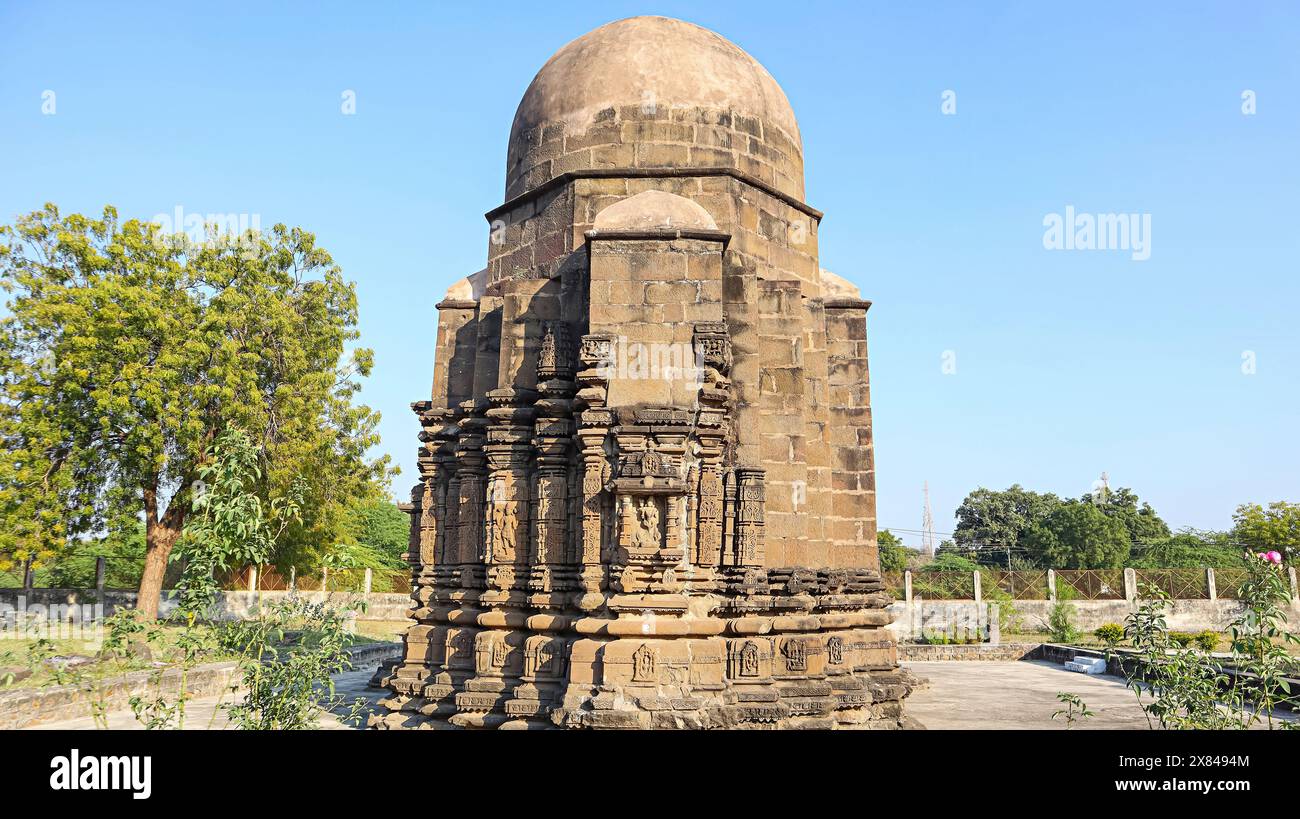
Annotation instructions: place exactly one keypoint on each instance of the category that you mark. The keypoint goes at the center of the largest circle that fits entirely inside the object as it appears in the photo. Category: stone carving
(835, 650)
(643, 664)
(796, 655)
(684, 542)
(503, 531)
(597, 351)
(547, 657)
(713, 346)
(648, 532)
(554, 356)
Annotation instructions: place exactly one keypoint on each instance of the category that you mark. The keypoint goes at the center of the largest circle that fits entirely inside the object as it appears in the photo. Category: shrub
(1009, 617)
(1109, 633)
(1060, 622)
(1182, 639)
(1207, 640)
(1190, 690)
(288, 685)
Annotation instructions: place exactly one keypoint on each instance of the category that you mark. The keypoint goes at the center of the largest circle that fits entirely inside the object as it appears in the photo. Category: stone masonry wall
(656, 136)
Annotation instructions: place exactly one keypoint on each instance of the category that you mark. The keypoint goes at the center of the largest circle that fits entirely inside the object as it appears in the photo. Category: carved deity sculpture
(647, 535)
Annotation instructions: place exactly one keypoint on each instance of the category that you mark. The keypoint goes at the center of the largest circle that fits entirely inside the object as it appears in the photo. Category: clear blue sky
(1067, 363)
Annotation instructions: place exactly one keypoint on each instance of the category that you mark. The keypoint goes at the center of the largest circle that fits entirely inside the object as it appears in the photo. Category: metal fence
(1180, 584)
(1091, 584)
(1228, 582)
(1077, 584)
(1034, 584)
(1021, 585)
(944, 585)
(893, 583)
(268, 578)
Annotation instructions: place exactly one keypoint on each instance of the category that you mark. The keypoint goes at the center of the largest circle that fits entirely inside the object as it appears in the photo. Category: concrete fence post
(1130, 585)
(1290, 573)
(101, 569)
(293, 578)
(29, 575)
(1210, 590)
(365, 589)
(252, 578)
(976, 577)
(907, 585)
(1051, 585)
(324, 582)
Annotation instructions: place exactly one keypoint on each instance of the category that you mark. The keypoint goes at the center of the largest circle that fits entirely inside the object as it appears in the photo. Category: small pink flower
(1261, 555)
(1274, 557)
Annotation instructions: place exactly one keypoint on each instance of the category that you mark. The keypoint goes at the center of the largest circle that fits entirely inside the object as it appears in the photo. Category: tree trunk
(159, 538)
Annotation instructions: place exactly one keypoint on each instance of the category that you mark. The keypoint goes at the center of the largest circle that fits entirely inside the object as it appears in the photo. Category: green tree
(947, 561)
(994, 522)
(894, 556)
(126, 353)
(1276, 528)
(1142, 522)
(381, 526)
(1078, 535)
(1188, 549)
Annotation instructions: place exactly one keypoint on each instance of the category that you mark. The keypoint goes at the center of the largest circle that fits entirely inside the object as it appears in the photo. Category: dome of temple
(698, 98)
(654, 210)
(834, 286)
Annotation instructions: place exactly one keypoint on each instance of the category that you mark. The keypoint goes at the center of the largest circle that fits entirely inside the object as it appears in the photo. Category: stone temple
(647, 493)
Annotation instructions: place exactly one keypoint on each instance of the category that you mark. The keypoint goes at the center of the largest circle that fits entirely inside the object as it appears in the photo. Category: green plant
(89, 677)
(1259, 636)
(228, 527)
(122, 629)
(1061, 616)
(289, 686)
(1009, 617)
(931, 638)
(159, 712)
(7, 676)
(894, 556)
(1075, 710)
(1109, 633)
(1178, 688)
(1207, 640)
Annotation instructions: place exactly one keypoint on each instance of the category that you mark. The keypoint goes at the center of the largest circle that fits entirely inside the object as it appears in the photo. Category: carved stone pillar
(471, 475)
(595, 360)
(509, 458)
(551, 566)
(749, 517)
(713, 364)
(437, 464)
